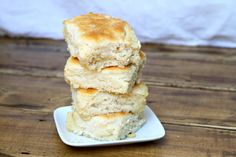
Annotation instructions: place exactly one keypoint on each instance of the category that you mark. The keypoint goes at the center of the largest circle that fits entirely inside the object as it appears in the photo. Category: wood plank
(173, 105)
(198, 122)
(181, 69)
(34, 43)
(60, 45)
(34, 134)
(32, 93)
(186, 68)
(156, 47)
(32, 57)
(194, 107)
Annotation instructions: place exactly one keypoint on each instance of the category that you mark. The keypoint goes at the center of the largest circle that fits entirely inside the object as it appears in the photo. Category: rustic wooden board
(165, 67)
(173, 105)
(32, 93)
(192, 90)
(33, 133)
(201, 71)
(194, 107)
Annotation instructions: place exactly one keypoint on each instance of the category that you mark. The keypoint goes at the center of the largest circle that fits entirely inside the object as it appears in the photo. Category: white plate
(151, 130)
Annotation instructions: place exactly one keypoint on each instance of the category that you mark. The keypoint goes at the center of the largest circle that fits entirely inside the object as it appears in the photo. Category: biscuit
(111, 79)
(114, 126)
(101, 41)
(91, 102)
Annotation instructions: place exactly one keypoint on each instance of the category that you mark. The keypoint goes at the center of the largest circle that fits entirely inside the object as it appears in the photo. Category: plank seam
(229, 128)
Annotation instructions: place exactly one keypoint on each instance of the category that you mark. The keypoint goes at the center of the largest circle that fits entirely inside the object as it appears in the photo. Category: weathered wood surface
(34, 133)
(173, 105)
(192, 90)
(199, 68)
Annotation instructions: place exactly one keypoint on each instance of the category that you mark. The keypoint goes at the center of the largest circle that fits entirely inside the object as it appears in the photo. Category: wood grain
(173, 105)
(164, 67)
(194, 107)
(34, 134)
(200, 71)
(35, 94)
(192, 90)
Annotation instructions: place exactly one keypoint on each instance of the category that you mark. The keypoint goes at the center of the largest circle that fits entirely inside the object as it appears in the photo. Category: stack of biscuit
(108, 98)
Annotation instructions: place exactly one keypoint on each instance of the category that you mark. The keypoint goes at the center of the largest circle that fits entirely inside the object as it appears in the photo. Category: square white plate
(151, 130)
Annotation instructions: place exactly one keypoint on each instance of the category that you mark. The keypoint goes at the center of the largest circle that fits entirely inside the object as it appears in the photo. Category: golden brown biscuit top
(87, 91)
(99, 27)
(74, 60)
(114, 115)
(142, 55)
(116, 68)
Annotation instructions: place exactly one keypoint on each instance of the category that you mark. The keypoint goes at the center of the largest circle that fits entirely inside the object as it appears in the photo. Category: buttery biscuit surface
(101, 41)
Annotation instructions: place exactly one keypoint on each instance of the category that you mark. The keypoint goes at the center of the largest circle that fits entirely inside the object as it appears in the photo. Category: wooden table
(192, 90)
